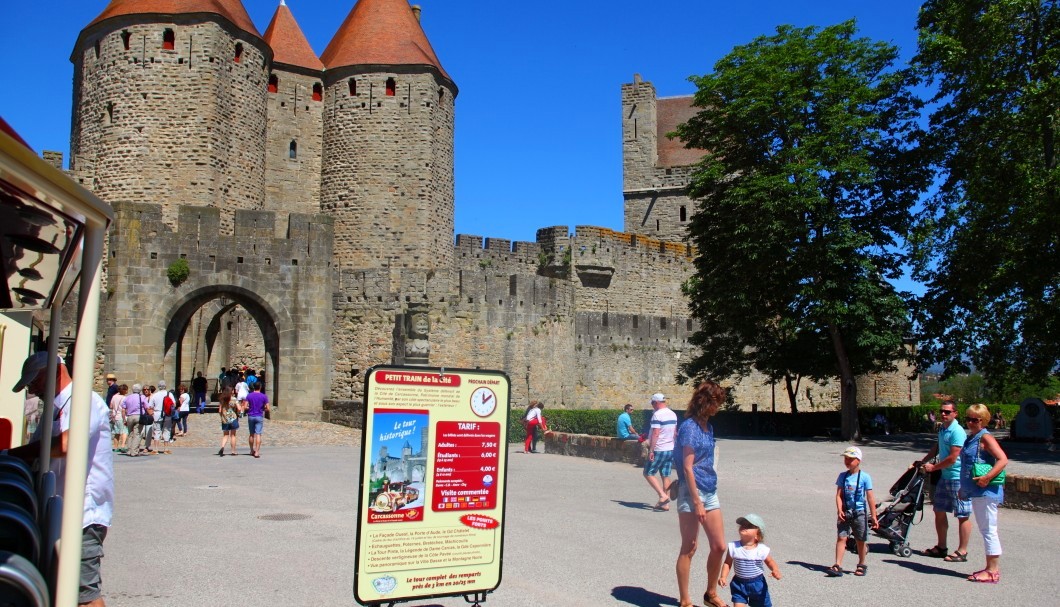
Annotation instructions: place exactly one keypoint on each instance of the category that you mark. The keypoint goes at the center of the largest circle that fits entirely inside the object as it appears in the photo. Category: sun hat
(852, 452)
(753, 520)
(112, 376)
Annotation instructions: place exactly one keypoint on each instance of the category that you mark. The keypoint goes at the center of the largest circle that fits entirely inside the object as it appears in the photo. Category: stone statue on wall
(417, 334)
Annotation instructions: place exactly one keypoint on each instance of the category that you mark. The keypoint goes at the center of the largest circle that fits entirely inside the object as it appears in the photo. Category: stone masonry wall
(292, 185)
(387, 173)
(654, 194)
(283, 283)
(180, 126)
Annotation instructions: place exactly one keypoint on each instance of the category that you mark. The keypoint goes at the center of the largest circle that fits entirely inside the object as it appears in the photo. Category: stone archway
(216, 302)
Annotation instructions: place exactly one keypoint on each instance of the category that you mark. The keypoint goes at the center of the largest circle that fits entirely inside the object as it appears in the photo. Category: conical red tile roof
(288, 43)
(381, 32)
(232, 10)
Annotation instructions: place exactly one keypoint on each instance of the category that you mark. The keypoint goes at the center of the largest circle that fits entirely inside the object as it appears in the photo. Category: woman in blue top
(982, 447)
(697, 498)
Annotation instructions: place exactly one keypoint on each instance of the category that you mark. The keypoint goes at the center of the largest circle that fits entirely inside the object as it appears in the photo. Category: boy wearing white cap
(854, 501)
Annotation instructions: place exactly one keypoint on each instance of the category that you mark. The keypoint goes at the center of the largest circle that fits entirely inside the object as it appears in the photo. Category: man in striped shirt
(661, 450)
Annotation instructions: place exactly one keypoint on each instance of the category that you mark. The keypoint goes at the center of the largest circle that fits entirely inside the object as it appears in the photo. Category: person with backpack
(156, 402)
(170, 410)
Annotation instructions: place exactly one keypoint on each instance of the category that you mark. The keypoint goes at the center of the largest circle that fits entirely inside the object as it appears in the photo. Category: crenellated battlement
(590, 236)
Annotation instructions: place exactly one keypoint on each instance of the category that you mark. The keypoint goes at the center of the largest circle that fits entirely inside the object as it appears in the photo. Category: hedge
(806, 424)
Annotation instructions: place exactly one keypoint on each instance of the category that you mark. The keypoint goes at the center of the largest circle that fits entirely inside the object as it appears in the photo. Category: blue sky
(538, 115)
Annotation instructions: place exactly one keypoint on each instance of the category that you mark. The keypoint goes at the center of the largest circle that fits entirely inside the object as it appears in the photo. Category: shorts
(660, 464)
(753, 592)
(946, 499)
(255, 424)
(233, 426)
(117, 428)
(685, 503)
(855, 525)
(91, 554)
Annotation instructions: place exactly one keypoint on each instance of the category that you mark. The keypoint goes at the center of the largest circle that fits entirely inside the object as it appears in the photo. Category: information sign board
(431, 501)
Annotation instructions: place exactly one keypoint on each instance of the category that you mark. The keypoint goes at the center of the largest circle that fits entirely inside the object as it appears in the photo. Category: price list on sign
(466, 456)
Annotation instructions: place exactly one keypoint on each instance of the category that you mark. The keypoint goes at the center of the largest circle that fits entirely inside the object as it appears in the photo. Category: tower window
(353, 87)
(318, 92)
(292, 150)
(169, 40)
(684, 214)
(274, 83)
(391, 87)
(97, 49)
(125, 36)
(441, 94)
(239, 53)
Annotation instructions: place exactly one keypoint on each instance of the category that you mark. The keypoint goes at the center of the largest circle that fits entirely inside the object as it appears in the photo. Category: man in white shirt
(99, 485)
(157, 402)
(661, 450)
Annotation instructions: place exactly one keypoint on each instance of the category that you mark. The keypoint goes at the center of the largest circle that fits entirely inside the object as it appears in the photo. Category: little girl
(748, 559)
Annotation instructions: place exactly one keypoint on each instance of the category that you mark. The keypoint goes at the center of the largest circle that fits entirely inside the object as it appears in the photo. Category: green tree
(802, 200)
(986, 244)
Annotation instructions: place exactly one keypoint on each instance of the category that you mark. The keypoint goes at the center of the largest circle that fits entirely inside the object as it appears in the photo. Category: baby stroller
(907, 499)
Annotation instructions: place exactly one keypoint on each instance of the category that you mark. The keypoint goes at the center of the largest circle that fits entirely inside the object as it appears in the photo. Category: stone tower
(655, 169)
(295, 122)
(169, 102)
(387, 174)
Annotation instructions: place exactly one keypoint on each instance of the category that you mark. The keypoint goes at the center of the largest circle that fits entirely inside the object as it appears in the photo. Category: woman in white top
(532, 420)
(183, 410)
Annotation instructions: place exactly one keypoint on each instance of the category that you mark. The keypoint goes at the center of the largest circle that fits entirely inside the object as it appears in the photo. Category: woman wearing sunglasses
(982, 479)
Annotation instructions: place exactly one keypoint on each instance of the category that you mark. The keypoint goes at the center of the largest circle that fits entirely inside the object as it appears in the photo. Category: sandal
(713, 600)
(985, 577)
(861, 570)
(935, 552)
(834, 571)
(662, 505)
(957, 557)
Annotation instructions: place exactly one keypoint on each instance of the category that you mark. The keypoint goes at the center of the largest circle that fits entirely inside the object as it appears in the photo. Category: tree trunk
(793, 392)
(848, 403)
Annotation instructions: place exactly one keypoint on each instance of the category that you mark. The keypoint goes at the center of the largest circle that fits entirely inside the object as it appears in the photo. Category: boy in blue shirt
(854, 501)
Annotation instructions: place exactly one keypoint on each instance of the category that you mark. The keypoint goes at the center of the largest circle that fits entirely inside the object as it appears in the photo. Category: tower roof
(289, 44)
(232, 10)
(381, 32)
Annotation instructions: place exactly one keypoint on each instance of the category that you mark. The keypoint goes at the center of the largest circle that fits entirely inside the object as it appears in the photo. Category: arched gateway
(283, 284)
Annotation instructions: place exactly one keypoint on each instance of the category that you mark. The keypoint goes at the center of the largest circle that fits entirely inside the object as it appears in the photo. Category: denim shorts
(255, 424)
(946, 499)
(685, 503)
(231, 426)
(660, 464)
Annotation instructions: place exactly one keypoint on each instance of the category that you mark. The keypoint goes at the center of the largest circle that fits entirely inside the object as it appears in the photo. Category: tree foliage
(802, 200)
(987, 244)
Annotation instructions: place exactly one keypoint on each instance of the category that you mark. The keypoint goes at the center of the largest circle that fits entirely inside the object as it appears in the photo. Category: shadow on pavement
(922, 568)
(811, 566)
(633, 505)
(641, 597)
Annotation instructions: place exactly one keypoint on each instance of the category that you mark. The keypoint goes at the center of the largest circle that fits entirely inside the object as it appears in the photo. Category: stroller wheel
(905, 551)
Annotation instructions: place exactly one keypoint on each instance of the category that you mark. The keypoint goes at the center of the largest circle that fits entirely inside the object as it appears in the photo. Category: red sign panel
(465, 465)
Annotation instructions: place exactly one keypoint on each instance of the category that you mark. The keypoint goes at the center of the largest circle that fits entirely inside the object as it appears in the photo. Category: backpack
(167, 405)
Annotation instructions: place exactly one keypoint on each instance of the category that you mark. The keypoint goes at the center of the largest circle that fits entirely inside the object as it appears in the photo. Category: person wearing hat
(854, 502)
(99, 486)
(748, 559)
(661, 450)
(112, 387)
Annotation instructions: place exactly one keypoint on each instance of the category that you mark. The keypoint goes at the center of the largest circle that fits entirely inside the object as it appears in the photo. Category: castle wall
(292, 185)
(387, 173)
(172, 127)
(655, 170)
(283, 283)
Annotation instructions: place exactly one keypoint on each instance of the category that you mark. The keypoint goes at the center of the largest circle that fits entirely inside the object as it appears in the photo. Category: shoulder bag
(146, 419)
(983, 468)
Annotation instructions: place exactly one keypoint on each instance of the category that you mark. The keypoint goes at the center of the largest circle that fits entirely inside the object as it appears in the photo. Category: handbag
(983, 468)
(146, 419)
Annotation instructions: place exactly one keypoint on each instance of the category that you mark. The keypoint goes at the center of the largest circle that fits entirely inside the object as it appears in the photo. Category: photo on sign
(397, 482)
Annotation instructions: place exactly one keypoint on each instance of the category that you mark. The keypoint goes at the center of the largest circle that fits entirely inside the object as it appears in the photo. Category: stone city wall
(179, 126)
(387, 175)
(292, 177)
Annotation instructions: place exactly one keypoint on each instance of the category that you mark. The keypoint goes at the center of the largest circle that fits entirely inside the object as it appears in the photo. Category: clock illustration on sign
(483, 402)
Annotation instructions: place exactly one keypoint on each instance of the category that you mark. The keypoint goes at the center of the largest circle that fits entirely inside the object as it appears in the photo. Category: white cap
(658, 397)
(852, 452)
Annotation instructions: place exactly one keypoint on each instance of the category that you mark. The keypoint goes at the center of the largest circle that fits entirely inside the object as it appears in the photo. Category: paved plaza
(195, 529)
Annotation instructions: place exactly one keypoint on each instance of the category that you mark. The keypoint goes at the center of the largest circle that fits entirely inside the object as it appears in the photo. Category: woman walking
(119, 434)
(697, 497)
(982, 461)
(183, 411)
(228, 410)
